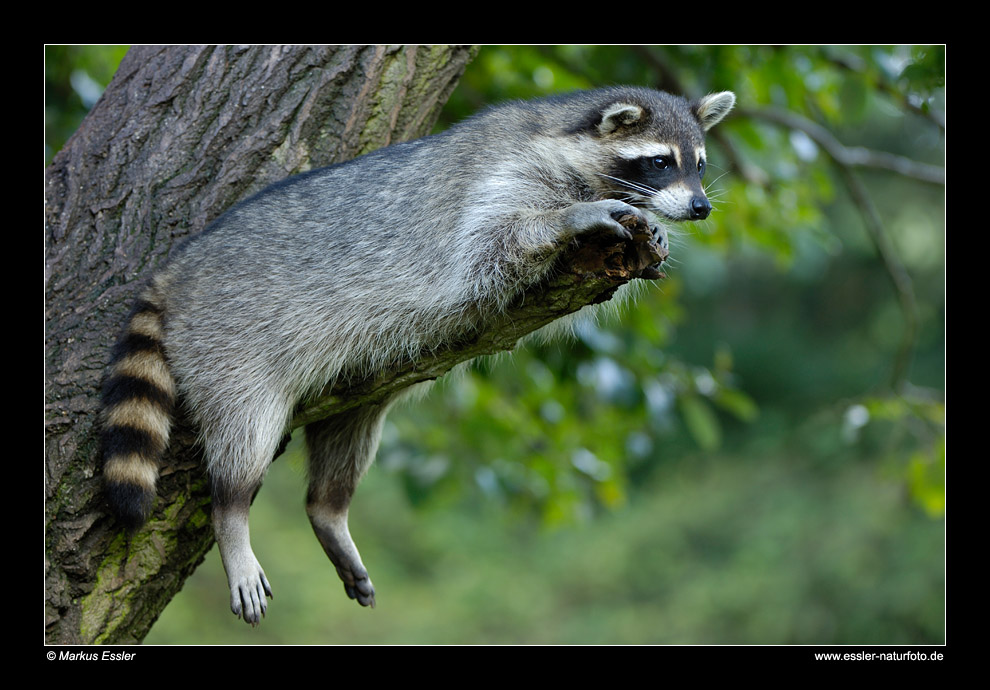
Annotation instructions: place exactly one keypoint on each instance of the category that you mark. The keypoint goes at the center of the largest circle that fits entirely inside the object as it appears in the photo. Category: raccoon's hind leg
(248, 585)
(239, 453)
(341, 448)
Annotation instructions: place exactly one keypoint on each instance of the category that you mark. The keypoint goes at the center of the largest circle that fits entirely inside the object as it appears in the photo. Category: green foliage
(720, 550)
(75, 76)
(783, 279)
(908, 433)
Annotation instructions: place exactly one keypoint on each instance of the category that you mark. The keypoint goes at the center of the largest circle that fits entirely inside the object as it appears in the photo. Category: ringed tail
(138, 400)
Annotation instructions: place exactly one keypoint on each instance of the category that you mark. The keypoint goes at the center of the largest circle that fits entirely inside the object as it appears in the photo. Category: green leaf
(926, 479)
(737, 403)
(701, 422)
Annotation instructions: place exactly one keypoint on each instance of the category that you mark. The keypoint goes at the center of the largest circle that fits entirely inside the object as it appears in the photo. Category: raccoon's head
(656, 150)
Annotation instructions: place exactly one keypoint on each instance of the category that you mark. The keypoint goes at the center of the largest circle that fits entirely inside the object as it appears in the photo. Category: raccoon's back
(334, 272)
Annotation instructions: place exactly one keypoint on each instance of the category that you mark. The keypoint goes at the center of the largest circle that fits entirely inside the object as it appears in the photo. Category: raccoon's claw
(248, 599)
(659, 233)
(631, 223)
(358, 586)
(621, 230)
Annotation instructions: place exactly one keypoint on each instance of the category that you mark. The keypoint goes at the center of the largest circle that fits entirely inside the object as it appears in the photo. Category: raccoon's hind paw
(358, 585)
(248, 597)
(330, 527)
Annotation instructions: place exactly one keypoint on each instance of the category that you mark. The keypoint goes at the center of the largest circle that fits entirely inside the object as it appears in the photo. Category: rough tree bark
(180, 135)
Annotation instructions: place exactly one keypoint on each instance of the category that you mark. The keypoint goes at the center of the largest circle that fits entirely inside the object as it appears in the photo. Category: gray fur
(342, 271)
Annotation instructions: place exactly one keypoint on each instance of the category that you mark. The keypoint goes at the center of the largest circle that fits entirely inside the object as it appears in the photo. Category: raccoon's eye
(662, 162)
(701, 168)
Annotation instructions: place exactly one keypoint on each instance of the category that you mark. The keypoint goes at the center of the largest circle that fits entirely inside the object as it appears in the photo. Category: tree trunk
(180, 135)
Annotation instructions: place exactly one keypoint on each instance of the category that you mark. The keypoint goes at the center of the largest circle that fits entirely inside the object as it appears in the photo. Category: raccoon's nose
(700, 208)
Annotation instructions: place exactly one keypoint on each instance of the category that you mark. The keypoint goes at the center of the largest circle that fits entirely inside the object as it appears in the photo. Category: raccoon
(339, 272)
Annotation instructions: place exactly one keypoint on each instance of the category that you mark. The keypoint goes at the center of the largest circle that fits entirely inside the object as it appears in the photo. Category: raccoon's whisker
(632, 199)
(717, 179)
(632, 185)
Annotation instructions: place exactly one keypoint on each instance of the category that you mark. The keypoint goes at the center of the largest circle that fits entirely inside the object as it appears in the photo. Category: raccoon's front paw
(660, 247)
(248, 596)
(659, 233)
(593, 215)
(358, 585)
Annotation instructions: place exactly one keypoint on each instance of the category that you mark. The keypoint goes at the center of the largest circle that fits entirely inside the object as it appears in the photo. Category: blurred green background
(753, 452)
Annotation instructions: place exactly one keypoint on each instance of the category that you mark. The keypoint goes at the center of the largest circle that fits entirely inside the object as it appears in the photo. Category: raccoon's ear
(711, 109)
(617, 115)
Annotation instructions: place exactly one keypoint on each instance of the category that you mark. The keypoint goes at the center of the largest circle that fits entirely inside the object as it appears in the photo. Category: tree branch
(586, 273)
(849, 156)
